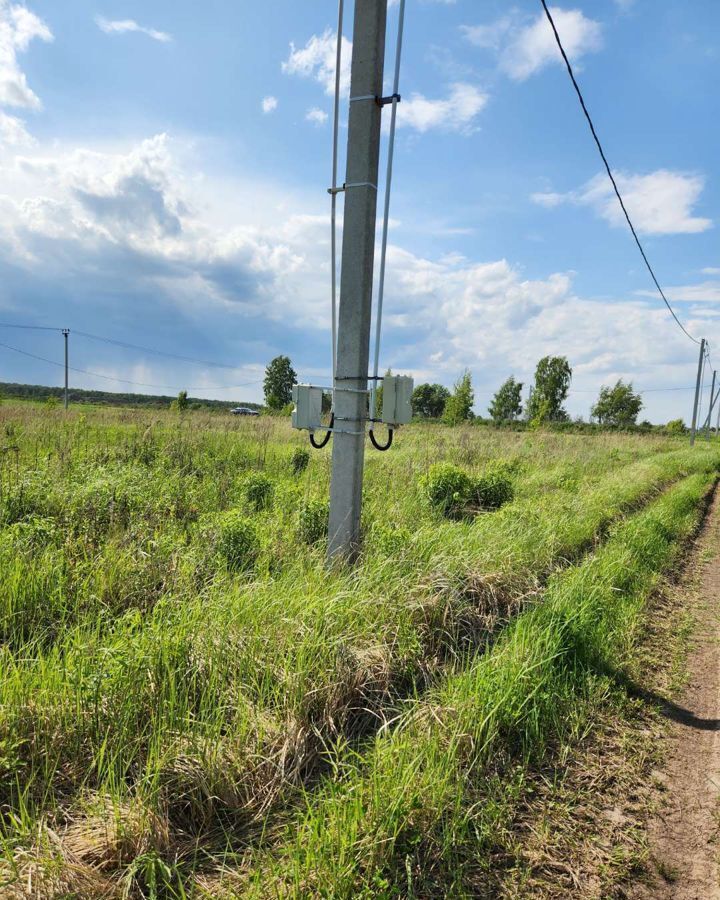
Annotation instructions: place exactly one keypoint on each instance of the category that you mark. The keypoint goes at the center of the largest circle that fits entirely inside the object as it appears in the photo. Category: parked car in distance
(244, 411)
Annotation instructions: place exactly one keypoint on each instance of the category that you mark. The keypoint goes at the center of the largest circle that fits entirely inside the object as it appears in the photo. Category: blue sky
(163, 175)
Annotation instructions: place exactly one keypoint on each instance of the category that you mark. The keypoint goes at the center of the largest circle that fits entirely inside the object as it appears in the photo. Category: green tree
(428, 400)
(617, 406)
(675, 426)
(181, 401)
(506, 404)
(552, 383)
(458, 407)
(379, 396)
(279, 380)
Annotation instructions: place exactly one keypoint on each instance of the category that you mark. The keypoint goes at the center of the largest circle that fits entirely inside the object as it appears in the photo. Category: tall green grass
(161, 706)
(419, 814)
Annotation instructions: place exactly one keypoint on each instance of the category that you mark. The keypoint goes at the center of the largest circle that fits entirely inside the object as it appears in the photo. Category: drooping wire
(125, 344)
(334, 193)
(610, 174)
(386, 211)
(30, 327)
(60, 365)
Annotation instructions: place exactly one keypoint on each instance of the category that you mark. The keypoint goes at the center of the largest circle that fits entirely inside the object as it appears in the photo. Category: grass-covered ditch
(190, 702)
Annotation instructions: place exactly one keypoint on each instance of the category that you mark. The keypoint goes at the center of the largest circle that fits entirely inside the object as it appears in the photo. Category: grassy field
(192, 705)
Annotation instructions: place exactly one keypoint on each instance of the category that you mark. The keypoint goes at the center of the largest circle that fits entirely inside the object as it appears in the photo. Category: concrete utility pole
(713, 398)
(356, 278)
(697, 391)
(66, 332)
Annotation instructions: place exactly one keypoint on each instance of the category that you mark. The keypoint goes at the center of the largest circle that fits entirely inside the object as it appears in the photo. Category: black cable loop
(318, 445)
(381, 447)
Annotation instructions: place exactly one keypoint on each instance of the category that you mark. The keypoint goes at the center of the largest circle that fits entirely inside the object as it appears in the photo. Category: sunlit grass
(169, 696)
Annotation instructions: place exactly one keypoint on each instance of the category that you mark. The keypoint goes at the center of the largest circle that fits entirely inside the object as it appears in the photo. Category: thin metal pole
(66, 332)
(697, 391)
(386, 208)
(334, 193)
(356, 278)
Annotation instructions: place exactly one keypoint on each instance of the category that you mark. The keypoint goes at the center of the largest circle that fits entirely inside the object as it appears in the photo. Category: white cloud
(525, 48)
(125, 26)
(316, 115)
(660, 202)
(456, 112)
(317, 60)
(18, 27)
(706, 292)
(13, 132)
(138, 227)
(711, 270)
(269, 104)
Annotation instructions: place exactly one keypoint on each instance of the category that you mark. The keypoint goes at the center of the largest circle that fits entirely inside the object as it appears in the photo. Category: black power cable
(609, 171)
(168, 387)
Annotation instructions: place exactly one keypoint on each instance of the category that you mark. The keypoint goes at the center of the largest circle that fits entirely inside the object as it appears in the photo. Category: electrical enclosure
(397, 397)
(308, 406)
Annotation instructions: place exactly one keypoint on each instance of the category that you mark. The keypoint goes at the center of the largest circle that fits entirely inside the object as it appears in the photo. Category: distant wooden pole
(66, 332)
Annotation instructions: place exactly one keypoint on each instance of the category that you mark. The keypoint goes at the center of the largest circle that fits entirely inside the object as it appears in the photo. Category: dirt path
(684, 837)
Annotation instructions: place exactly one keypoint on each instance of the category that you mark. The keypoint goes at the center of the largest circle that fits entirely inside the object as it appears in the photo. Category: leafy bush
(493, 487)
(390, 539)
(238, 541)
(449, 489)
(313, 521)
(258, 490)
(299, 460)
(456, 494)
(675, 426)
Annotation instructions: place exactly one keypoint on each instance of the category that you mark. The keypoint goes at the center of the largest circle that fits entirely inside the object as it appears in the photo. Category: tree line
(617, 406)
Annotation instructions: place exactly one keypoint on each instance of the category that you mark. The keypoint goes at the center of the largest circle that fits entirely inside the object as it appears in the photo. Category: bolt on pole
(66, 332)
(356, 279)
(697, 392)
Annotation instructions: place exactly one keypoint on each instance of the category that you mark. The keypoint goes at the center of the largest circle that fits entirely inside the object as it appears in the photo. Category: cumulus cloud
(317, 60)
(525, 47)
(120, 235)
(316, 115)
(269, 104)
(706, 292)
(660, 202)
(13, 132)
(18, 28)
(128, 26)
(456, 112)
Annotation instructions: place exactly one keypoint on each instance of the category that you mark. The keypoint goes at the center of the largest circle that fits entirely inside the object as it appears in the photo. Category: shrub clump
(258, 490)
(493, 487)
(299, 460)
(313, 519)
(238, 541)
(457, 495)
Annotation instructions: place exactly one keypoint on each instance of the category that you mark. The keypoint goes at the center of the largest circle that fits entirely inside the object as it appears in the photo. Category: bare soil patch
(683, 836)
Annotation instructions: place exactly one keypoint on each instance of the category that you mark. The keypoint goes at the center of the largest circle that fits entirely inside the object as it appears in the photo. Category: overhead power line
(610, 174)
(126, 345)
(167, 387)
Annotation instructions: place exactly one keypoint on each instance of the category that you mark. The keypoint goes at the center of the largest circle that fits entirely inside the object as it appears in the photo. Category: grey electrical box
(397, 397)
(308, 406)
